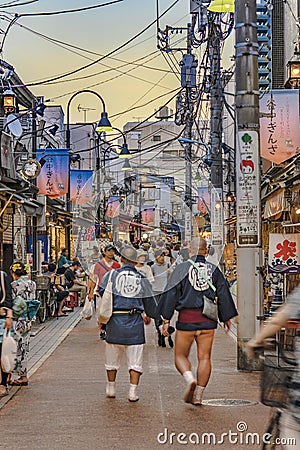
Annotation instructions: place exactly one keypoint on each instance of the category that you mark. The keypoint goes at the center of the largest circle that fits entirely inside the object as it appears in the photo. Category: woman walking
(24, 287)
(6, 323)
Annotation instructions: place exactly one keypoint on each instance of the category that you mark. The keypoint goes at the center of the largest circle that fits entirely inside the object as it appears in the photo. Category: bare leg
(111, 375)
(183, 343)
(134, 377)
(204, 343)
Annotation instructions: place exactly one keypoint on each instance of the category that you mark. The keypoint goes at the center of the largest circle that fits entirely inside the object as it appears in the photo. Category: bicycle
(46, 296)
(276, 382)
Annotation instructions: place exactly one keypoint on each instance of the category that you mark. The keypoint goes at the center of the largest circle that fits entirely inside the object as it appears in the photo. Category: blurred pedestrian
(185, 293)
(161, 271)
(290, 417)
(6, 323)
(142, 266)
(133, 305)
(24, 287)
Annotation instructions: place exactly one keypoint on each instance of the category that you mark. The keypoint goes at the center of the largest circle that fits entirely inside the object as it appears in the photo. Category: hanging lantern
(9, 101)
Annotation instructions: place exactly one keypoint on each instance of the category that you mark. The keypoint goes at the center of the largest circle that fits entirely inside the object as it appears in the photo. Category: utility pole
(188, 81)
(34, 218)
(216, 129)
(249, 282)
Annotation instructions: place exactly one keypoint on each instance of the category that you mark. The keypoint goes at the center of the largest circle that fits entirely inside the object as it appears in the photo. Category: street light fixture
(126, 165)
(9, 101)
(103, 125)
(293, 72)
(124, 153)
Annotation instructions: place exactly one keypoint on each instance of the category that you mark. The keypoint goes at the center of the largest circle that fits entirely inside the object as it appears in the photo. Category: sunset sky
(37, 59)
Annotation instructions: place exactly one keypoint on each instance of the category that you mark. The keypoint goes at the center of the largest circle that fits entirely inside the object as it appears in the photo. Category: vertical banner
(113, 206)
(216, 217)
(203, 199)
(284, 253)
(147, 214)
(279, 125)
(53, 180)
(248, 189)
(81, 186)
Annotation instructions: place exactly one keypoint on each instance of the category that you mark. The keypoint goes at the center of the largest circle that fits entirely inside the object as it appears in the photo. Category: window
(157, 138)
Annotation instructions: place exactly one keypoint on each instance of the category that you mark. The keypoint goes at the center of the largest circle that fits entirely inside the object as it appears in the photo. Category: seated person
(61, 293)
(73, 284)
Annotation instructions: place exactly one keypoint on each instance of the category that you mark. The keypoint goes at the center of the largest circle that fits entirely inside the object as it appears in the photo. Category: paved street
(64, 406)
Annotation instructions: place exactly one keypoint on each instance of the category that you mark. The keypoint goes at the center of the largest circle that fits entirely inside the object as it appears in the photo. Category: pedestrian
(184, 293)
(63, 262)
(161, 271)
(6, 323)
(142, 267)
(133, 305)
(24, 287)
(104, 265)
(290, 417)
(72, 284)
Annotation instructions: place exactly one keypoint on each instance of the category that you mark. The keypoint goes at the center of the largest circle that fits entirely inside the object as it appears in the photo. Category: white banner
(284, 253)
(248, 189)
(279, 125)
(217, 215)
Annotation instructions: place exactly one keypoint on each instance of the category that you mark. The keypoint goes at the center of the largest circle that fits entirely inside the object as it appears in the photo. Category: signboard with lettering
(216, 217)
(248, 189)
(279, 125)
(284, 253)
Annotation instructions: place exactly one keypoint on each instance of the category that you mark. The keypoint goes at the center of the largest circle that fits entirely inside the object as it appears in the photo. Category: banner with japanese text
(203, 199)
(284, 253)
(113, 206)
(279, 125)
(53, 180)
(81, 186)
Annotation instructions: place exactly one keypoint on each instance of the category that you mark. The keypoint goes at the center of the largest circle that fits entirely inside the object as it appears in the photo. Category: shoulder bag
(210, 307)
(106, 302)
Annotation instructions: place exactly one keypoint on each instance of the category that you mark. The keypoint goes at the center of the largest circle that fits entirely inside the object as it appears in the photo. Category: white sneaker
(132, 394)
(110, 390)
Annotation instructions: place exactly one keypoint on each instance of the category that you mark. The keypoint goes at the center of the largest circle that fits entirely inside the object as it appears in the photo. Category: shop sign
(284, 253)
(248, 190)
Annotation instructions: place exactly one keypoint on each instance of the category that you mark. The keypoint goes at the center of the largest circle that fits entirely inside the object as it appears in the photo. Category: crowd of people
(147, 281)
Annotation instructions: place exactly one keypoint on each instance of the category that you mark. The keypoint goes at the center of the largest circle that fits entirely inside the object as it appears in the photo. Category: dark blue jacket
(131, 290)
(186, 288)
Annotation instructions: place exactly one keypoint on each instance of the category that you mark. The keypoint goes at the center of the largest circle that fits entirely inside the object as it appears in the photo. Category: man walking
(104, 265)
(161, 271)
(133, 305)
(188, 284)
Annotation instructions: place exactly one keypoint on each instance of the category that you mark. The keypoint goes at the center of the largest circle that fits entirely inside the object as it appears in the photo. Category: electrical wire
(58, 77)
(15, 3)
(68, 11)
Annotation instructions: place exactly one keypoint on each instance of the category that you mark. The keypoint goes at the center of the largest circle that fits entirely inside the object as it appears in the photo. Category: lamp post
(103, 125)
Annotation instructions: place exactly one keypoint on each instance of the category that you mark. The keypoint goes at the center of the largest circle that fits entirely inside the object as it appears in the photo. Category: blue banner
(53, 181)
(81, 186)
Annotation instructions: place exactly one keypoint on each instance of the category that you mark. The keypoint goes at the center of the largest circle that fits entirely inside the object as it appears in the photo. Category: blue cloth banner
(81, 186)
(53, 181)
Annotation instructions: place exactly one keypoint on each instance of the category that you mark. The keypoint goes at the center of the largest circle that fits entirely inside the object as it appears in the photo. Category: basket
(42, 282)
(276, 381)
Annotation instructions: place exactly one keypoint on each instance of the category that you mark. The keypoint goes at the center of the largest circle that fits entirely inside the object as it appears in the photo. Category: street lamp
(9, 101)
(293, 72)
(125, 153)
(103, 125)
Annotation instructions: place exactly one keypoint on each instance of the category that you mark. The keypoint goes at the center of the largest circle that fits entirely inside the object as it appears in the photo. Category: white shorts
(134, 355)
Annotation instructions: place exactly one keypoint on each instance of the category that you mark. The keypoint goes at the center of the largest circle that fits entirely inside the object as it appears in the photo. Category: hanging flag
(148, 214)
(203, 199)
(81, 186)
(53, 180)
(279, 125)
(284, 253)
(113, 206)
